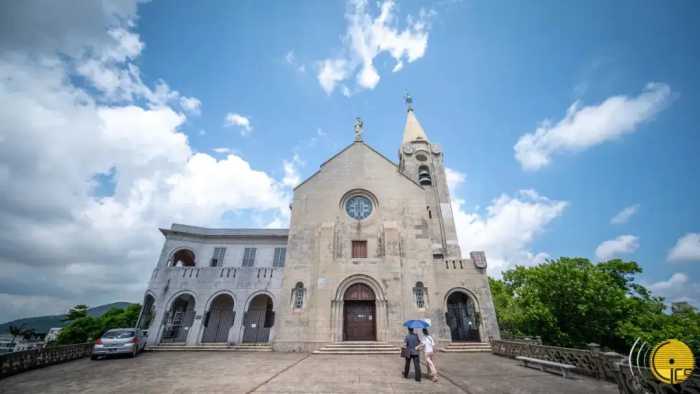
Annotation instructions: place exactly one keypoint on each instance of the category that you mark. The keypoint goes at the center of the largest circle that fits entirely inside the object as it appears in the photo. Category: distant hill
(41, 324)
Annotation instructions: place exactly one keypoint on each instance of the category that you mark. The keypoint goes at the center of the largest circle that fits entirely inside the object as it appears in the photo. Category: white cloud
(191, 105)
(332, 71)
(291, 171)
(242, 122)
(454, 178)
(687, 248)
(585, 127)
(366, 38)
(677, 288)
(291, 59)
(222, 150)
(625, 215)
(624, 244)
(59, 240)
(507, 228)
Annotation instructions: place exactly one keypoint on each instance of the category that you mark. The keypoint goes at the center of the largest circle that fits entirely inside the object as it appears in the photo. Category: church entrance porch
(462, 317)
(179, 319)
(360, 318)
(219, 319)
(258, 320)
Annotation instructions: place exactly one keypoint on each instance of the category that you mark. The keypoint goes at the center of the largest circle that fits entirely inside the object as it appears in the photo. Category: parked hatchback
(119, 341)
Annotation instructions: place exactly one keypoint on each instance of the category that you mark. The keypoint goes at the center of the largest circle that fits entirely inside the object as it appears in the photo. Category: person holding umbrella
(410, 352)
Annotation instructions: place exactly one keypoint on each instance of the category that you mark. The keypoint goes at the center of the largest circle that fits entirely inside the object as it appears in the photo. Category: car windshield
(119, 334)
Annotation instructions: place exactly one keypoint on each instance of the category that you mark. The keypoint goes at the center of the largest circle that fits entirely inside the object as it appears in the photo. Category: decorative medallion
(479, 259)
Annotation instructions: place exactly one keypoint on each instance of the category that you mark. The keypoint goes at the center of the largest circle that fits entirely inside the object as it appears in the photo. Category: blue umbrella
(416, 324)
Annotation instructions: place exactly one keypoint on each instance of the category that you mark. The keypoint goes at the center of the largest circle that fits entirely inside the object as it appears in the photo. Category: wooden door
(359, 321)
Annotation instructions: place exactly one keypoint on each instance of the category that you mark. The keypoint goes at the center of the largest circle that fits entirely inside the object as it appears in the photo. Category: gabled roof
(370, 148)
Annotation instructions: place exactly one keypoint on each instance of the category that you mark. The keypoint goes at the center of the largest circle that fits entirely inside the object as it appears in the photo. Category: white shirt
(429, 343)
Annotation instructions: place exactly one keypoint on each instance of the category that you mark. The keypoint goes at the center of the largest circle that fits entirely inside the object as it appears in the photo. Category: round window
(358, 207)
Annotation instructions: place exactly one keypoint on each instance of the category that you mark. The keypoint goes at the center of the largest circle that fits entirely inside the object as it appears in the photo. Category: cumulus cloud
(454, 178)
(61, 242)
(677, 288)
(222, 150)
(624, 215)
(367, 37)
(507, 229)
(584, 127)
(687, 248)
(240, 121)
(291, 171)
(624, 244)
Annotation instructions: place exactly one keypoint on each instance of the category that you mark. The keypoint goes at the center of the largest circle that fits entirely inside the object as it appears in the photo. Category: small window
(249, 257)
(359, 249)
(299, 296)
(280, 255)
(218, 259)
(419, 290)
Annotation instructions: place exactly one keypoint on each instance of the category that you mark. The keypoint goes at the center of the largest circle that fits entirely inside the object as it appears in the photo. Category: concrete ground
(229, 372)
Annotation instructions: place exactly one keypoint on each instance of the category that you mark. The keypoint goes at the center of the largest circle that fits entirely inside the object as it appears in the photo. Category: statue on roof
(358, 128)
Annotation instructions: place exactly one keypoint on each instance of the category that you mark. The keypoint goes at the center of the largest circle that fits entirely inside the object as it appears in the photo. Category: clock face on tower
(358, 207)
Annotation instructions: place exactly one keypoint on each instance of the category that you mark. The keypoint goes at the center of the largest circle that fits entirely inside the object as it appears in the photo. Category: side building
(215, 285)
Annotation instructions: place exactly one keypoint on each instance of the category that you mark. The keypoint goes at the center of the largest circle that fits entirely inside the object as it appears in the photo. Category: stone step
(359, 352)
(358, 347)
(445, 350)
(373, 346)
(210, 348)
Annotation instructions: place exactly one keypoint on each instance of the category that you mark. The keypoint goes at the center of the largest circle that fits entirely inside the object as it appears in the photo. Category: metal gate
(218, 320)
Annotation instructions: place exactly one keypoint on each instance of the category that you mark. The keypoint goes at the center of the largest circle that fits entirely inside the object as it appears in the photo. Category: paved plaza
(228, 372)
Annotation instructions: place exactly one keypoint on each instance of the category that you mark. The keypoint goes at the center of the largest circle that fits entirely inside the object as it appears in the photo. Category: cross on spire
(409, 102)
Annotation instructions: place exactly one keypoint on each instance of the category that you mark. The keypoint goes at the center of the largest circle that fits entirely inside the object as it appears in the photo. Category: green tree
(76, 312)
(88, 328)
(571, 302)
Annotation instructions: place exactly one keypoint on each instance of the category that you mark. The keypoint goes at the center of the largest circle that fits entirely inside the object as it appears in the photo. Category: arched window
(419, 291)
(298, 295)
(424, 176)
(183, 258)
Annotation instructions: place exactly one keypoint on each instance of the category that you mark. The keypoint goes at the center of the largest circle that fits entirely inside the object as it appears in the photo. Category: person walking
(428, 344)
(412, 342)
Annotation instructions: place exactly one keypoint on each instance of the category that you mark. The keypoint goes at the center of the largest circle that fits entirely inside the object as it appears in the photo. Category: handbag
(404, 352)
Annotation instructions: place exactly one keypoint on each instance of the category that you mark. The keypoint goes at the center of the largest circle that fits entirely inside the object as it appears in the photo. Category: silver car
(129, 341)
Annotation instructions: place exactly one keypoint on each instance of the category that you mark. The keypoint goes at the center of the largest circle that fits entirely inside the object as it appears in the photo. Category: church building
(371, 243)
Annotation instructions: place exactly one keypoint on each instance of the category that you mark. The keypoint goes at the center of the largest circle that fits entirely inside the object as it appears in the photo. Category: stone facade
(397, 249)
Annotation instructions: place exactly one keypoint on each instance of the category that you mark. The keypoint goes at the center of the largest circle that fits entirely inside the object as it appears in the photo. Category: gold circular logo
(672, 361)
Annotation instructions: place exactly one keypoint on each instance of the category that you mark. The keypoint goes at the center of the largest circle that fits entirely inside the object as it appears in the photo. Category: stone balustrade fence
(609, 366)
(600, 365)
(13, 363)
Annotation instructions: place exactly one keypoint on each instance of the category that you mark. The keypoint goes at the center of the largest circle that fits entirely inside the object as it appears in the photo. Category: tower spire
(413, 131)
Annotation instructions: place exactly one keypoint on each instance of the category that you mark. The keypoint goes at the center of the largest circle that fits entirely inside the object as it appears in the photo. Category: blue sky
(209, 113)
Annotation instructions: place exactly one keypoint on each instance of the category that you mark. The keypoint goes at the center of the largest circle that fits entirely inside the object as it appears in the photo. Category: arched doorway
(147, 312)
(218, 319)
(258, 319)
(183, 258)
(179, 319)
(359, 314)
(462, 317)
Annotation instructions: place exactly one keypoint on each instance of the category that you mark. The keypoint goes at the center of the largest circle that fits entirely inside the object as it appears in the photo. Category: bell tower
(422, 161)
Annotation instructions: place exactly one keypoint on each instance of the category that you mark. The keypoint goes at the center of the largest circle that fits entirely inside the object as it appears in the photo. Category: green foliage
(76, 312)
(571, 302)
(86, 328)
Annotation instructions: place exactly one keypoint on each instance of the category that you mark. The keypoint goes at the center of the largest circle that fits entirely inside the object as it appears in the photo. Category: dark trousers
(416, 366)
